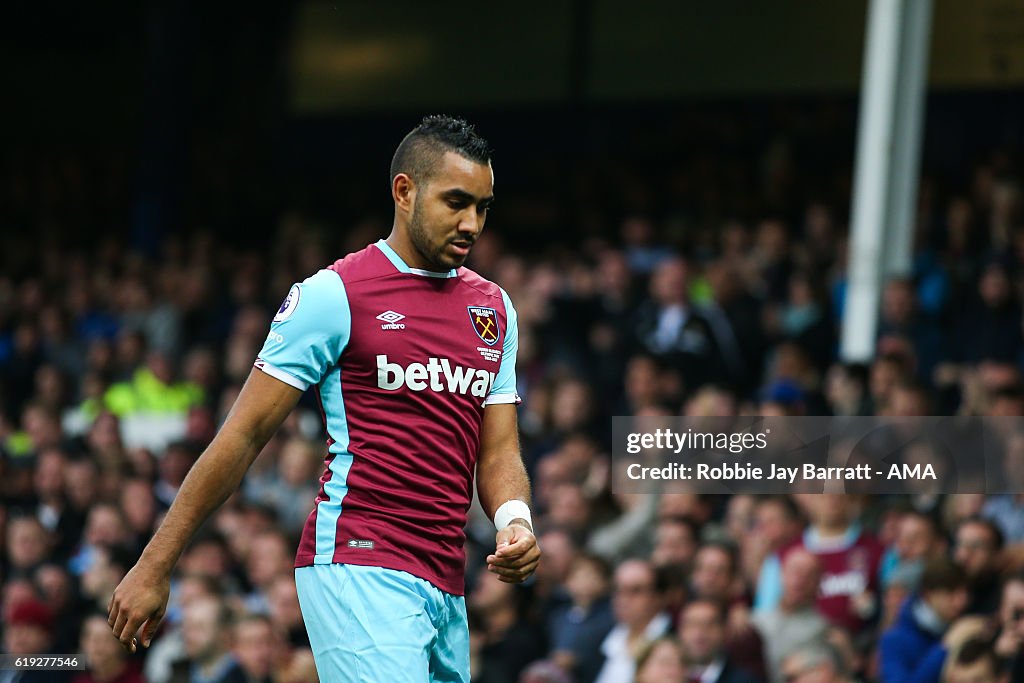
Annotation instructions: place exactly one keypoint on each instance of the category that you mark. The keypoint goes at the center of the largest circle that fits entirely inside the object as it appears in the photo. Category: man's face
(914, 538)
(255, 647)
(203, 631)
(948, 604)
(974, 550)
(712, 573)
(801, 576)
(701, 633)
(450, 210)
(673, 544)
(635, 601)
(99, 645)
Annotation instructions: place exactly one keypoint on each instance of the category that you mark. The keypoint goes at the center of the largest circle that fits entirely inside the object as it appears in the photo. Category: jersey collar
(398, 263)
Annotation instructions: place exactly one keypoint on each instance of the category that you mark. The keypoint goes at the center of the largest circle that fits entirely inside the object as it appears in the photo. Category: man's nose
(471, 221)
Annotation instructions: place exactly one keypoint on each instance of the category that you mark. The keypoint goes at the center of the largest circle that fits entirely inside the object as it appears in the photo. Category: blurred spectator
(777, 525)
(510, 642)
(269, 556)
(28, 544)
(813, 664)
(848, 595)
(925, 617)
(639, 619)
(669, 326)
(578, 631)
(208, 658)
(255, 647)
(715, 579)
(977, 547)
(917, 540)
(1009, 644)
(795, 622)
(675, 542)
(702, 629)
(661, 662)
(295, 485)
(106, 660)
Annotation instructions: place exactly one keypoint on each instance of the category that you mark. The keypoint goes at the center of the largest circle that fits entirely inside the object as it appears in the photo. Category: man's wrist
(510, 511)
(520, 521)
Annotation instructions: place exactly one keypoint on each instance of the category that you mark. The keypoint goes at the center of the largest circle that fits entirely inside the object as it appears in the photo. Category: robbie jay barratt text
(746, 471)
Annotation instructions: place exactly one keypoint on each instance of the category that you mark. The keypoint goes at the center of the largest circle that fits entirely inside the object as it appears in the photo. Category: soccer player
(413, 360)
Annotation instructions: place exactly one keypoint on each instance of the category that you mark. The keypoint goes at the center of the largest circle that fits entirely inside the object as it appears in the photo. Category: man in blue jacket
(905, 647)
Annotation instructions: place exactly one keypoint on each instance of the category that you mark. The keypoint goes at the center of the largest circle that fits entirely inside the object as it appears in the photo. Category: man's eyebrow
(468, 198)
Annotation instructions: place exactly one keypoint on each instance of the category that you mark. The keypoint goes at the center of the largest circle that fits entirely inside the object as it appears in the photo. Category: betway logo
(437, 375)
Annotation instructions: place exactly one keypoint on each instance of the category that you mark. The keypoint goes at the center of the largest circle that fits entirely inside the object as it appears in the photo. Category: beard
(433, 254)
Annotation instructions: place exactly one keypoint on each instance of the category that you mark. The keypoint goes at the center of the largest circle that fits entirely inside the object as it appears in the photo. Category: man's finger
(526, 552)
(149, 629)
(127, 634)
(504, 573)
(119, 622)
(516, 548)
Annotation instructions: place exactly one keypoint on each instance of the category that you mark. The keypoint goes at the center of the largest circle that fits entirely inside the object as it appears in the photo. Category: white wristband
(509, 510)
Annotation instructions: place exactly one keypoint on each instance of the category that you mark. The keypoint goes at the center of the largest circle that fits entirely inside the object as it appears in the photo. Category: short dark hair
(721, 610)
(942, 574)
(684, 521)
(420, 151)
(786, 504)
(728, 549)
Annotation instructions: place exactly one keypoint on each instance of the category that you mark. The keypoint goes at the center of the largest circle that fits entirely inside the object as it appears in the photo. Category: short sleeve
(504, 388)
(309, 332)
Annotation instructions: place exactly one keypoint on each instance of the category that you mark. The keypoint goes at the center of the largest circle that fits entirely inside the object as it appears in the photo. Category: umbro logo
(391, 320)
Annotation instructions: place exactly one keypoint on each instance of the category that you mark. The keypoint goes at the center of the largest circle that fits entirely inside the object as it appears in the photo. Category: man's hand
(964, 629)
(517, 553)
(140, 600)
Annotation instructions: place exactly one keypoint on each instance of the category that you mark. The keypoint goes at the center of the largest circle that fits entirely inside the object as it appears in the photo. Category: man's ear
(403, 191)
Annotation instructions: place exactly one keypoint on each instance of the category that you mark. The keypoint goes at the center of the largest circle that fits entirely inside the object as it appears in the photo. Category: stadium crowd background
(117, 367)
(663, 260)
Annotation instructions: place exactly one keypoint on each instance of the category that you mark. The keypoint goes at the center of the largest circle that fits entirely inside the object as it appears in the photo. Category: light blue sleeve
(309, 331)
(504, 388)
(769, 584)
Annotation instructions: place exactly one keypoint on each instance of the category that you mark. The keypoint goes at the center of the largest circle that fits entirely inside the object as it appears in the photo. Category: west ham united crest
(485, 323)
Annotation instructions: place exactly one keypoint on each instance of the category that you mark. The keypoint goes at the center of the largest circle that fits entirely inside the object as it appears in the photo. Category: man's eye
(457, 206)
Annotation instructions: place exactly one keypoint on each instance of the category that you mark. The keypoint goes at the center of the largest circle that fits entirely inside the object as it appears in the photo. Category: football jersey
(849, 567)
(404, 362)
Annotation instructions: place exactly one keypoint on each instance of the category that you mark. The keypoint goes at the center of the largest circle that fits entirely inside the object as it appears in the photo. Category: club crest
(485, 323)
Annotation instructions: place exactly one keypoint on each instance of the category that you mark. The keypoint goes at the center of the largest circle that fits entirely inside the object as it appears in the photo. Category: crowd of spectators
(116, 369)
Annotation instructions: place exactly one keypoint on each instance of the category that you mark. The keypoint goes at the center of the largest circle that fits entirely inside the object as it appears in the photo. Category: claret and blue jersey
(404, 362)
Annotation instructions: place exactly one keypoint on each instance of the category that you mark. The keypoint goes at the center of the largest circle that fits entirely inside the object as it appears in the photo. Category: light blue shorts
(374, 625)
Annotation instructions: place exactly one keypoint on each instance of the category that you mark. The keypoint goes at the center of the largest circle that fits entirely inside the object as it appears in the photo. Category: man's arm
(141, 597)
(501, 477)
